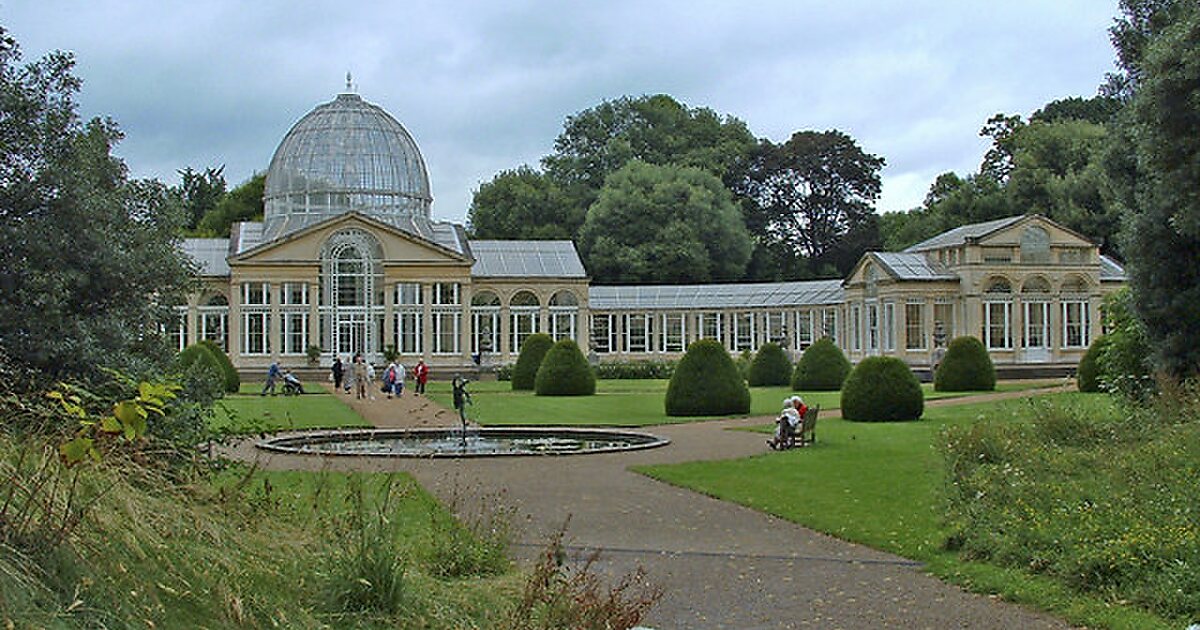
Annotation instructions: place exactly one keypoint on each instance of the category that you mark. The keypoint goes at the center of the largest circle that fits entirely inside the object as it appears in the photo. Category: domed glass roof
(346, 155)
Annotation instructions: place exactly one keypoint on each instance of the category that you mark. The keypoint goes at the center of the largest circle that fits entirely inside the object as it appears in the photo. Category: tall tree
(243, 203)
(200, 192)
(808, 193)
(1163, 251)
(89, 261)
(1140, 22)
(523, 204)
(665, 224)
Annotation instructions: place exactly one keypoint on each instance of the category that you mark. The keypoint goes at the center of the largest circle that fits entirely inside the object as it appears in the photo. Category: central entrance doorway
(352, 295)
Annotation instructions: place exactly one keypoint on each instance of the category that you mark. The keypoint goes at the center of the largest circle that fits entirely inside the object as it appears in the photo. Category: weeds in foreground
(557, 596)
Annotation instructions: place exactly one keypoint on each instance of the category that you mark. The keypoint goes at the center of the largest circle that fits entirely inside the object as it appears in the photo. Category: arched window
(1035, 245)
(997, 285)
(351, 303)
(485, 322)
(214, 320)
(523, 309)
(1036, 284)
(564, 315)
(997, 314)
(1074, 285)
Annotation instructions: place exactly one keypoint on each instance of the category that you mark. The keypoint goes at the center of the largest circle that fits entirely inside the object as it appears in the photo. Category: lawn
(629, 403)
(247, 412)
(879, 484)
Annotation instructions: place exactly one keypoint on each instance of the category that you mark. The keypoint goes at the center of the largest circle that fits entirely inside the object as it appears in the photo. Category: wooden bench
(806, 433)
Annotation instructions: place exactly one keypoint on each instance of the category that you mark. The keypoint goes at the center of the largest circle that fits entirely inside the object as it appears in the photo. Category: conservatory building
(347, 260)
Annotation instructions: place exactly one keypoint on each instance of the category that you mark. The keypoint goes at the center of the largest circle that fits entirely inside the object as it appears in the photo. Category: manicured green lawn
(629, 403)
(251, 413)
(879, 484)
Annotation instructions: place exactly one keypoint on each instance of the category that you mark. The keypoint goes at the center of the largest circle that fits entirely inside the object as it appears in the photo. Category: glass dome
(346, 155)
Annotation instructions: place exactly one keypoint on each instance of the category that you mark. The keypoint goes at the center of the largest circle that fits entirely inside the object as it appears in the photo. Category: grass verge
(880, 484)
(247, 412)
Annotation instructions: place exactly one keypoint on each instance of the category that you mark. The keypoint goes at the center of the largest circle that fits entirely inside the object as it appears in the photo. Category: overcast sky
(486, 86)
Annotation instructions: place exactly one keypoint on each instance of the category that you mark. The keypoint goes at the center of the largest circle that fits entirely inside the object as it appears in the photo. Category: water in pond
(456, 443)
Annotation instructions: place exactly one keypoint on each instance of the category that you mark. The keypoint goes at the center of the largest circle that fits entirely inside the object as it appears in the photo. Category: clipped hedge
(533, 350)
(633, 370)
(232, 381)
(771, 366)
(1087, 375)
(965, 368)
(822, 368)
(882, 389)
(706, 383)
(200, 354)
(565, 372)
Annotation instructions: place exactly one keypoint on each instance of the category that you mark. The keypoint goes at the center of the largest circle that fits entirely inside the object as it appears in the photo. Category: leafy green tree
(664, 224)
(807, 194)
(1099, 110)
(200, 192)
(89, 262)
(1163, 239)
(1140, 22)
(243, 203)
(523, 204)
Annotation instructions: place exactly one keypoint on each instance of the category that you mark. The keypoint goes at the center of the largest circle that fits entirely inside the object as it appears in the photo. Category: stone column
(426, 321)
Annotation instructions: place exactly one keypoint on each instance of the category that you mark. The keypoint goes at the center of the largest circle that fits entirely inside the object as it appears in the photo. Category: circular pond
(455, 443)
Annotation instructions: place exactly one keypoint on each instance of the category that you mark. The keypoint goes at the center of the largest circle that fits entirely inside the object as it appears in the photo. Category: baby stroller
(291, 385)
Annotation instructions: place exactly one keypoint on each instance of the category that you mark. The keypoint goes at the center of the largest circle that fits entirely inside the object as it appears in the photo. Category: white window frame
(889, 327)
(915, 336)
(295, 331)
(856, 337)
(743, 331)
(711, 321)
(1083, 324)
(446, 331)
(804, 329)
(673, 342)
(639, 342)
(604, 337)
(1005, 325)
(255, 343)
(1043, 330)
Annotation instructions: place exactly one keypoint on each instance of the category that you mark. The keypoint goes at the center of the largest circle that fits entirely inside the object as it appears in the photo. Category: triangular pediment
(868, 267)
(397, 245)
(1011, 235)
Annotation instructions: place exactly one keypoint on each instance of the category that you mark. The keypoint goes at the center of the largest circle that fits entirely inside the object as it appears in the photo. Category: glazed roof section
(716, 296)
(1111, 270)
(962, 233)
(246, 235)
(526, 259)
(906, 266)
(209, 253)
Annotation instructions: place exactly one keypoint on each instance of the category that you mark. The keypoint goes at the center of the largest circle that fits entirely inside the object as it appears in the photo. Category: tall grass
(1105, 501)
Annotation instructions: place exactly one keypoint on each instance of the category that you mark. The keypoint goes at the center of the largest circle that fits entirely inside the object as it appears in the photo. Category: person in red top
(421, 374)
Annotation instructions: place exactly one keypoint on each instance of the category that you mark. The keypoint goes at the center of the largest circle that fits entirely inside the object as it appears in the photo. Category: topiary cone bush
(232, 380)
(199, 353)
(882, 389)
(565, 372)
(771, 366)
(822, 368)
(707, 383)
(533, 350)
(1087, 376)
(965, 368)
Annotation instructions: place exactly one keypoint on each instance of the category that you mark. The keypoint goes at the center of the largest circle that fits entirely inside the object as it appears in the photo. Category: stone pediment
(1011, 235)
(398, 246)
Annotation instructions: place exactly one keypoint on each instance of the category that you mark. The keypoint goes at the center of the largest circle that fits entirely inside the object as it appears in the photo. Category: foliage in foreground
(565, 372)
(706, 383)
(823, 367)
(533, 350)
(965, 368)
(233, 381)
(1105, 503)
(880, 389)
(1087, 375)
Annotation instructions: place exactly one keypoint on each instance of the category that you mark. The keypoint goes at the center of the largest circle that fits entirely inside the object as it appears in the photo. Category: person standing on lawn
(338, 371)
(421, 374)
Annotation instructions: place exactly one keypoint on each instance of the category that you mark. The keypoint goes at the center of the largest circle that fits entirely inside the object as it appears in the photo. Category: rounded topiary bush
(533, 350)
(965, 368)
(882, 389)
(771, 366)
(201, 354)
(565, 372)
(707, 383)
(1087, 376)
(232, 380)
(822, 368)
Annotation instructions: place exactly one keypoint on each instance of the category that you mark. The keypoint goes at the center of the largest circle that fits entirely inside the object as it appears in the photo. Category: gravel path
(721, 564)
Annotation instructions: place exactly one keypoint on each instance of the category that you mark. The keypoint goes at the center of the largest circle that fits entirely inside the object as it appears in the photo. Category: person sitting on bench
(786, 423)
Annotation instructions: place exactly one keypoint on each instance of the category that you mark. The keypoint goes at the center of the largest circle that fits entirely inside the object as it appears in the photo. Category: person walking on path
(272, 374)
(360, 377)
(393, 379)
(338, 372)
(421, 374)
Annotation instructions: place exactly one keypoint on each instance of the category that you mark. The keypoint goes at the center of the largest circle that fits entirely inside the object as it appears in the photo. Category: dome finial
(349, 84)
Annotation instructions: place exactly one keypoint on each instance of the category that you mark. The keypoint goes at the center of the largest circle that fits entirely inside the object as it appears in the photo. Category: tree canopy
(89, 263)
(523, 204)
(667, 224)
(804, 196)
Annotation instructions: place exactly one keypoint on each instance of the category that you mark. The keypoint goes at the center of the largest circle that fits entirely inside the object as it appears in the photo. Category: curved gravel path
(720, 563)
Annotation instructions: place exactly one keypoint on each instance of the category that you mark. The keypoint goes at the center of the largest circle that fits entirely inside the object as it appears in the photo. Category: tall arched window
(352, 294)
(214, 321)
(485, 322)
(564, 315)
(997, 314)
(1035, 302)
(523, 309)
